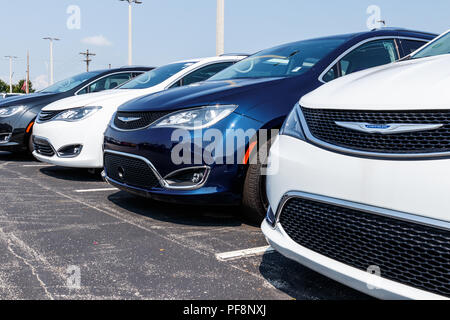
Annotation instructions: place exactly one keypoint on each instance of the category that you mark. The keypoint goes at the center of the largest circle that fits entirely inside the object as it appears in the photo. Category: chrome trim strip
(161, 180)
(360, 44)
(150, 165)
(430, 222)
(113, 125)
(71, 156)
(194, 187)
(58, 112)
(391, 128)
(332, 147)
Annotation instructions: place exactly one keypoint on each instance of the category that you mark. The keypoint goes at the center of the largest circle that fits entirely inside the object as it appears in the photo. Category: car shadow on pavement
(16, 157)
(190, 215)
(302, 283)
(71, 174)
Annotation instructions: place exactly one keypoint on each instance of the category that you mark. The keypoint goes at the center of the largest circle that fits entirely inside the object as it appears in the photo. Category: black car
(17, 114)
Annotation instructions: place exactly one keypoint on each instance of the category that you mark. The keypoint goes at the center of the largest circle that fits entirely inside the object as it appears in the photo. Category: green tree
(17, 88)
(4, 87)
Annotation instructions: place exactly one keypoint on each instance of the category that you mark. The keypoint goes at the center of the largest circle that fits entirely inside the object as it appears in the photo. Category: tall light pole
(130, 29)
(10, 71)
(220, 31)
(51, 57)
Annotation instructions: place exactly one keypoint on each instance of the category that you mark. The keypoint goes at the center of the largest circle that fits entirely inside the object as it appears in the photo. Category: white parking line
(96, 190)
(233, 255)
(37, 165)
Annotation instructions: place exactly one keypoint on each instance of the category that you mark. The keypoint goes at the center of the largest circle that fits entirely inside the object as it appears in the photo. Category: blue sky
(169, 30)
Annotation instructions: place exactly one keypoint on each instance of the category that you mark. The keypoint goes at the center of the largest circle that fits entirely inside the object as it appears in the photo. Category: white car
(359, 179)
(69, 132)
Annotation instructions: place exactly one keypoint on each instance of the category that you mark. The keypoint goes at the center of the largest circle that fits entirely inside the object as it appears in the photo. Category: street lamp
(11, 58)
(51, 56)
(220, 32)
(130, 29)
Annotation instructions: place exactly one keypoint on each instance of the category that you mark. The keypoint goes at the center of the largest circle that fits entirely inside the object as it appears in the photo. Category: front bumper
(154, 146)
(359, 280)
(416, 191)
(88, 133)
(12, 138)
(416, 187)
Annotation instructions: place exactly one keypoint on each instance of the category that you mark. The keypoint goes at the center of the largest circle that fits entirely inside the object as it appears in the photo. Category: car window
(202, 74)
(71, 83)
(287, 60)
(368, 55)
(409, 46)
(438, 47)
(109, 82)
(158, 75)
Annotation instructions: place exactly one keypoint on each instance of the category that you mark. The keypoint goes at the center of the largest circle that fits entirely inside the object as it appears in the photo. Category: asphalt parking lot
(130, 248)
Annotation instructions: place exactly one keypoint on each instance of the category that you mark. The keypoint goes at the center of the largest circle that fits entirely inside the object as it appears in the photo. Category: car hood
(246, 93)
(34, 99)
(97, 98)
(407, 85)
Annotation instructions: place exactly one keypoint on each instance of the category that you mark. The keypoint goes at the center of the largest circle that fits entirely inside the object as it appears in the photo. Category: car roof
(121, 69)
(213, 58)
(373, 33)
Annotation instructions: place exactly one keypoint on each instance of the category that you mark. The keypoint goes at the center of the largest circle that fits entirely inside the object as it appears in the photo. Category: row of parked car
(355, 182)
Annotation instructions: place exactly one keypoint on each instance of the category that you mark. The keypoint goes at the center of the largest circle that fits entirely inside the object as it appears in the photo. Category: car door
(368, 55)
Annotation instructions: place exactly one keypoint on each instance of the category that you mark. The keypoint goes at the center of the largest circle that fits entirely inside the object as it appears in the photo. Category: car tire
(30, 144)
(254, 197)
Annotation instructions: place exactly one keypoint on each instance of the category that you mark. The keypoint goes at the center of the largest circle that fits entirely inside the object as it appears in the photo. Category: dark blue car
(194, 144)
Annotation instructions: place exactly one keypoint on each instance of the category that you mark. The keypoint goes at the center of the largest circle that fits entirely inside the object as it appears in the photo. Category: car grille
(43, 147)
(321, 124)
(408, 253)
(48, 115)
(143, 119)
(130, 171)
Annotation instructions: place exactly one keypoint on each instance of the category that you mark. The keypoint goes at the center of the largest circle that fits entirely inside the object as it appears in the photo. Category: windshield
(283, 61)
(440, 46)
(70, 83)
(156, 76)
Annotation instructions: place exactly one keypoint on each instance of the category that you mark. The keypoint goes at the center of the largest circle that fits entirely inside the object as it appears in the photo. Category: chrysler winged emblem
(388, 128)
(128, 119)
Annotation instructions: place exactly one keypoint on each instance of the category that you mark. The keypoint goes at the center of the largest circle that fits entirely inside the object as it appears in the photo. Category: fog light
(70, 151)
(197, 177)
(189, 178)
(4, 137)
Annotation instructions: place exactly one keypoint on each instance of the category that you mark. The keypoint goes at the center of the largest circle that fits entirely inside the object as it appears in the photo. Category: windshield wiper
(293, 54)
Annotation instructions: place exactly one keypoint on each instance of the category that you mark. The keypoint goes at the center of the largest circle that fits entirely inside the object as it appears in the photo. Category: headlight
(293, 126)
(197, 118)
(10, 111)
(76, 114)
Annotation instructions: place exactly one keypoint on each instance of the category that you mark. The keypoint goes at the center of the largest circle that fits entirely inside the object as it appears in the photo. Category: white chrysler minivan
(360, 179)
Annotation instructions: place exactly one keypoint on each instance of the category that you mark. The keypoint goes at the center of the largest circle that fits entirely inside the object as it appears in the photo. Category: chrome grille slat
(321, 123)
(143, 119)
(48, 115)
